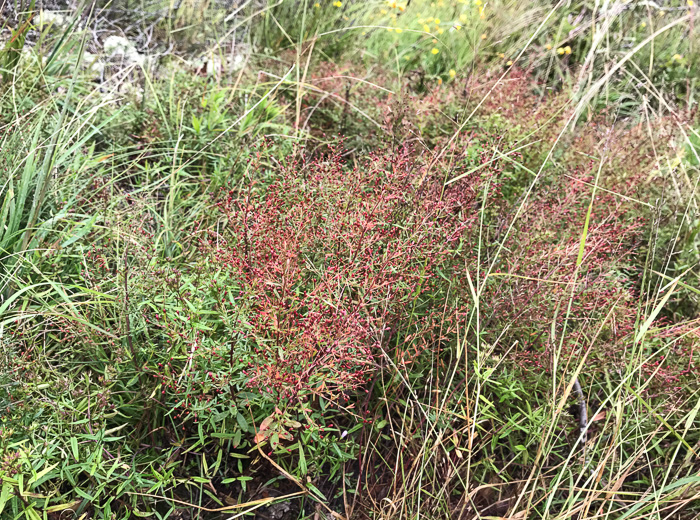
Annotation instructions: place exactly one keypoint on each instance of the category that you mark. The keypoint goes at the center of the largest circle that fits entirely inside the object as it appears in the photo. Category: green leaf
(645, 326)
(381, 424)
(31, 514)
(302, 461)
(87, 225)
(62, 507)
(83, 494)
(243, 481)
(205, 464)
(40, 475)
(238, 455)
(217, 463)
(222, 435)
(5, 494)
(74, 448)
(655, 497)
(315, 490)
(688, 424)
(242, 422)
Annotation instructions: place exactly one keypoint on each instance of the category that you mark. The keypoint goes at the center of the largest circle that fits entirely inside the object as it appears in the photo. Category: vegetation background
(349, 259)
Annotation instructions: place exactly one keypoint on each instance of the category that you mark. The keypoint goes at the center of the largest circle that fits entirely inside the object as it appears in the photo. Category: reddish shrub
(328, 264)
(538, 275)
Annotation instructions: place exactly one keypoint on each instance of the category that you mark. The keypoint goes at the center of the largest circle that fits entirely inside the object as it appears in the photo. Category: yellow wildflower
(691, 3)
(483, 36)
(567, 49)
(560, 50)
(453, 73)
(458, 27)
(439, 81)
(337, 3)
(437, 21)
(501, 55)
(643, 25)
(548, 46)
(399, 30)
(677, 57)
(481, 12)
(426, 28)
(434, 40)
(477, 2)
(317, 5)
(440, 30)
(435, 50)
(463, 18)
(509, 62)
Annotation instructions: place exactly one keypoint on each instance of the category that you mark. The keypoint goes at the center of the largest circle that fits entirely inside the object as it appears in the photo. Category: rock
(213, 65)
(52, 18)
(93, 64)
(119, 46)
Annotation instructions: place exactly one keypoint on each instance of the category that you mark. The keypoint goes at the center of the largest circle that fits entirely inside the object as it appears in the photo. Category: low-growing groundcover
(425, 282)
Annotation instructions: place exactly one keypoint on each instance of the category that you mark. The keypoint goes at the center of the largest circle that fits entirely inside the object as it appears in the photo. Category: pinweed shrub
(295, 290)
